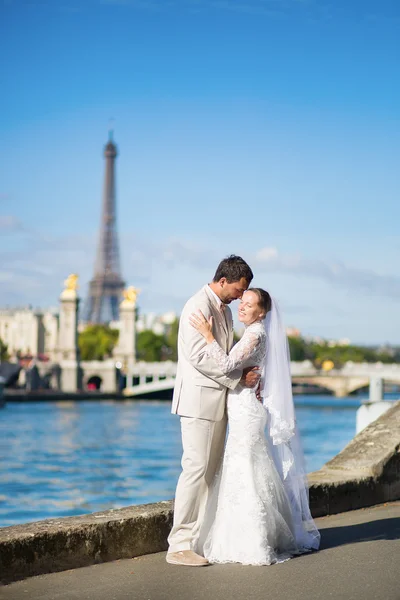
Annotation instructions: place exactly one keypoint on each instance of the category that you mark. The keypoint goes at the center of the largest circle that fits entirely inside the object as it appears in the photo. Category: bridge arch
(341, 386)
(94, 383)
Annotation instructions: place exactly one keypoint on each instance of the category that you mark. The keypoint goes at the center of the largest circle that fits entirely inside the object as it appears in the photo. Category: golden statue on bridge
(70, 288)
(71, 283)
(130, 295)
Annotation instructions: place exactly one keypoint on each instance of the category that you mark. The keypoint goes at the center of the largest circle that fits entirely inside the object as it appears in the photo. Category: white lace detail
(249, 350)
(286, 466)
(280, 430)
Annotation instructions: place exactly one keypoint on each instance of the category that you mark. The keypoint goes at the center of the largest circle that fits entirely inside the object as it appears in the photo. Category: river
(67, 458)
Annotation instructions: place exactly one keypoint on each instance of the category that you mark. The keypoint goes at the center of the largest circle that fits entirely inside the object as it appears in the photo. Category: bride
(258, 511)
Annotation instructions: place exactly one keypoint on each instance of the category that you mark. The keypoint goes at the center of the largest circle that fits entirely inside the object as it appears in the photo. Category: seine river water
(69, 458)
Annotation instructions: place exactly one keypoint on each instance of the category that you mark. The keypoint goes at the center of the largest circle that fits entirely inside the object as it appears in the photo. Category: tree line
(152, 347)
(320, 352)
(97, 342)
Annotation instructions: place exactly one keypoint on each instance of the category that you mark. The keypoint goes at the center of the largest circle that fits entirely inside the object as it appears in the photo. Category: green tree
(298, 348)
(396, 355)
(96, 342)
(3, 351)
(387, 357)
(150, 347)
(340, 355)
(171, 341)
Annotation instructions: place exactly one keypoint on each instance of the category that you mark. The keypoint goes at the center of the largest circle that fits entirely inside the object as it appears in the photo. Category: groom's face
(232, 291)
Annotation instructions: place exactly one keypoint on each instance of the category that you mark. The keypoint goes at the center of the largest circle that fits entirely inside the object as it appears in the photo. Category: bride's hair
(264, 299)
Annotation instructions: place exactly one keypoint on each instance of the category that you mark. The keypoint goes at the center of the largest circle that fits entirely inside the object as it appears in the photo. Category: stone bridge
(338, 384)
(153, 377)
(143, 378)
(346, 380)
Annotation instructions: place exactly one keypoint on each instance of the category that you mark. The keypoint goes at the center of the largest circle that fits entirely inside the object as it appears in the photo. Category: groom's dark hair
(233, 268)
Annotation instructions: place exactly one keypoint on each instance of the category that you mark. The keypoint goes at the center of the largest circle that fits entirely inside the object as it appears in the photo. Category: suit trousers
(203, 444)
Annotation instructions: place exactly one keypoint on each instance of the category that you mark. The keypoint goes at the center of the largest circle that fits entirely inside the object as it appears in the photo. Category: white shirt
(218, 299)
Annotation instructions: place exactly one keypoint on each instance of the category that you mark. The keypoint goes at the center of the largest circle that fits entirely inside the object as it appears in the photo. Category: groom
(199, 398)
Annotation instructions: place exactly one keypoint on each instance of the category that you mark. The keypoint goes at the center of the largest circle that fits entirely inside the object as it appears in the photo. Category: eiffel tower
(105, 289)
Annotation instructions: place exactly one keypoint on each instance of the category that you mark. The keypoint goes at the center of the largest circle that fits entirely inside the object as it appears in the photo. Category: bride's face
(249, 309)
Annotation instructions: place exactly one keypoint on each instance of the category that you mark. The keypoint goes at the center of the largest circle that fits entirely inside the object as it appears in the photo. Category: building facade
(27, 331)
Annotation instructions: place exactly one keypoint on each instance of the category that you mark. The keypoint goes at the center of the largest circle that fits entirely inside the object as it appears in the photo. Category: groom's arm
(194, 348)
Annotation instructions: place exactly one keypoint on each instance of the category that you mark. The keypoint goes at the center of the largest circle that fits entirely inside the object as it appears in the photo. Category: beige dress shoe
(186, 558)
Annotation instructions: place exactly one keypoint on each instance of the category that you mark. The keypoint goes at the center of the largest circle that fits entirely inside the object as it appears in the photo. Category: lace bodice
(248, 352)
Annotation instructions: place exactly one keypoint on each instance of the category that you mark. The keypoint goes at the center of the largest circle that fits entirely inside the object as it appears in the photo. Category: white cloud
(266, 254)
(10, 223)
(5, 277)
(335, 273)
(169, 270)
(34, 269)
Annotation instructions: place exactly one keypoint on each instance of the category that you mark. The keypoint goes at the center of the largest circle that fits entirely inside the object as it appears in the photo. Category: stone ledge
(71, 542)
(365, 473)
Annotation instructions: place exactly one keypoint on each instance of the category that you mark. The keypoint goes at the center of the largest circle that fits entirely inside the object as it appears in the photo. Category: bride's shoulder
(257, 329)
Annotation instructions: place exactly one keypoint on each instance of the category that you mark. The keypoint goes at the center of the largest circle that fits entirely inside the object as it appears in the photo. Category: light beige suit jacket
(201, 387)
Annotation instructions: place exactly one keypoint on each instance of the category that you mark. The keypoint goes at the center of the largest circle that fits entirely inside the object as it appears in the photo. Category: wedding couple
(247, 501)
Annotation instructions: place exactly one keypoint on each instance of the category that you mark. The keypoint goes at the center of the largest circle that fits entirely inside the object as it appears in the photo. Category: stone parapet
(365, 473)
(71, 542)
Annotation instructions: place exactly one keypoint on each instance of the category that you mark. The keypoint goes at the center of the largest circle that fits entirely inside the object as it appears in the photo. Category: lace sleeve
(237, 356)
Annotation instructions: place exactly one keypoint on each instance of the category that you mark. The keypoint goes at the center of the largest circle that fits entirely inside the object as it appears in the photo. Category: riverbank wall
(365, 473)
(14, 395)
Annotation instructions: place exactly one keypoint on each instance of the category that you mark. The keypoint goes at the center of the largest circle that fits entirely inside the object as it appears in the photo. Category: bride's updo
(264, 299)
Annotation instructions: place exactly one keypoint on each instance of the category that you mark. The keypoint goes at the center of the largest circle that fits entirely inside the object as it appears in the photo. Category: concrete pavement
(359, 560)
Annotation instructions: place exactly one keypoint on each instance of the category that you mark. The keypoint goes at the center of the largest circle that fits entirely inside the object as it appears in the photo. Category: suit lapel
(229, 320)
(219, 315)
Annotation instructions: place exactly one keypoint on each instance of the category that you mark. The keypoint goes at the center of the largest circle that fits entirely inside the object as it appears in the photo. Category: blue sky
(267, 128)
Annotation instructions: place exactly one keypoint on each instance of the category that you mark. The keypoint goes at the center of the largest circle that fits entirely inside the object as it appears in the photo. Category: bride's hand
(203, 326)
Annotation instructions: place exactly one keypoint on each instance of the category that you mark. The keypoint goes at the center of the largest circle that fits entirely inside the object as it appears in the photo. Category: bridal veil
(286, 446)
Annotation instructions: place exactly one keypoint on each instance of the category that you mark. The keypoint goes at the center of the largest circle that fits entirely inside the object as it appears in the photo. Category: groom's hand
(258, 392)
(250, 377)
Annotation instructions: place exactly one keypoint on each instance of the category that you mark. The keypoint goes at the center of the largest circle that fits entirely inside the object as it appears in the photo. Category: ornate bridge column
(68, 352)
(125, 351)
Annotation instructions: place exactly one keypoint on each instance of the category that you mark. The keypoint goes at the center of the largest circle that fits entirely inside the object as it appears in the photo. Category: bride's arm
(240, 352)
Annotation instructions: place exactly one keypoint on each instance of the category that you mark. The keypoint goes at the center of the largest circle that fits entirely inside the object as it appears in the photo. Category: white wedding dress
(248, 517)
